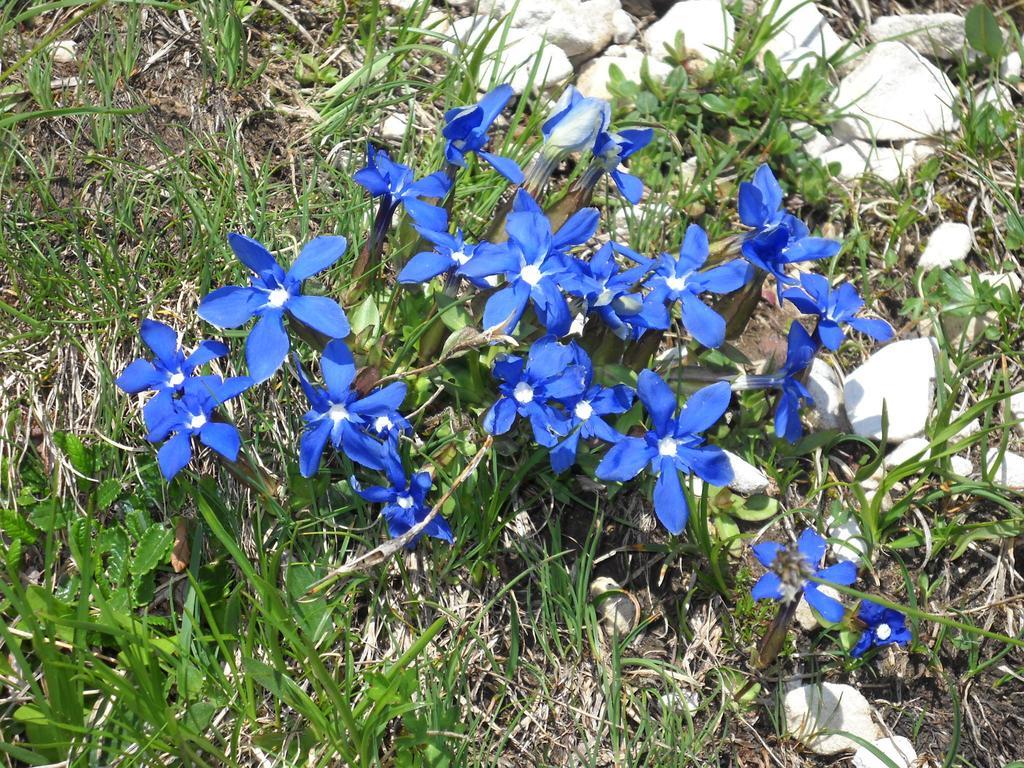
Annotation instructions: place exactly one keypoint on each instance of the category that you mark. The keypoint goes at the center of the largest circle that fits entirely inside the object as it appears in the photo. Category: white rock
(706, 26)
(1010, 66)
(746, 478)
(898, 751)
(892, 163)
(64, 51)
(807, 617)
(514, 62)
(940, 35)
(595, 76)
(826, 389)
(961, 465)
(815, 714)
(802, 28)
(998, 280)
(617, 611)
(949, 243)
(394, 128)
(623, 27)
(1009, 471)
(996, 94)
(857, 157)
(1017, 409)
(894, 94)
(901, 375)
(581, 28)
(846, 539)
(907, 450)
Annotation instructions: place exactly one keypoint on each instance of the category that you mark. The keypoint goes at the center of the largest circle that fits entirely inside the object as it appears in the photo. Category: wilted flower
(271, 294)
(834, 307)
(574, 125)
(466, 131)
(674, 444)
(791, 571)
(192, 415)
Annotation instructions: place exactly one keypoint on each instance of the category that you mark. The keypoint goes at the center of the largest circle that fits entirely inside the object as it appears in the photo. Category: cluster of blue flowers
(572, 282)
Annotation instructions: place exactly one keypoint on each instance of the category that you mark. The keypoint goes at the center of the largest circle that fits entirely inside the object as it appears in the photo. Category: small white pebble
(64, 51)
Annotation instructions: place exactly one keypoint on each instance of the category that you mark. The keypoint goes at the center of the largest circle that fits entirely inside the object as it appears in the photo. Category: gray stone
(803, 31)
(961, 465)
(940, 35)
(746, 478)
(894, 94)
(581, 28)
(1010, 66)
(898, 751)
(1016, 405)
(1009, 471)
(623, 27)
(394, 128)
(902, 376)
(826, 389)
(915, 448)
(64, 51)
(819, 715)
(948, 244)
(706, 26)
(857, 157)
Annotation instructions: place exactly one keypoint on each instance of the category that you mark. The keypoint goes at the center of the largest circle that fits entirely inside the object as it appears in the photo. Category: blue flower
(610, 150)
(882, 626)
(404, 503)
(350, 421)
(167, 372)
(613, 294)
(833, 307)
(192, 415)
(466, 131)
(680, 280)
(790, 572)
(395, 184)
(585, 412)
(451, 252)
(673, 445)
(778, 238)
(574, 125)
(533, 388)
(271, 293)
(534, 262)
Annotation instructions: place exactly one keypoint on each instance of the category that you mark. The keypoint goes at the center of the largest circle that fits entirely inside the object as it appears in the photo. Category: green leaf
(108, 492)
(113, 542)
(47, 516)
(983, 31)
(152, 549)
(78, 454)
(14, 526)
(756, 509)
(366, 315)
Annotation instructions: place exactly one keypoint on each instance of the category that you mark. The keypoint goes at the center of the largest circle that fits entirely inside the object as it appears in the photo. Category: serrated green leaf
(983, 31)
(152, 549)
(108, 492)
(113, 542)
(47, 516)
(14, 526)
(77, 452)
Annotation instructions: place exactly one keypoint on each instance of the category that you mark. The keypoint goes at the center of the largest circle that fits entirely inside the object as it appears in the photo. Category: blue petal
(625, 460)
(435, 185)
(787, 418)
(338, 368)
(139, 376)
(505, 166)
(802, 301)
(424, 266)
(563, 455)
(505, 307)
(174, 455)
(629, 186)
(873, 327)
(658, 399)
(551, 307)
(694, 250)
(317, 255)
(863, 644)
(871, 613)
(253, 254)
(500, 417)
(831, 610)
(751, 205)
(703, 323)
(669, 499)
(371, 180)
(206, 351)
(375, 494)
(321, 314)
(710, 464)
(771, 192)
(163, 340)
(844, 573)
(384, 400)
(831, 334)
(267, 346)
(523, 202)
(426, 215)
(229, 388)
(766, 552)
(811, 248)
(311, 447)
(769, 587)
(726, 277)
(230, 306)
(577, 229)
(811, 546)
(491, 259)
(362, 448)
(704, 408)
(221, 437)
(531, 232)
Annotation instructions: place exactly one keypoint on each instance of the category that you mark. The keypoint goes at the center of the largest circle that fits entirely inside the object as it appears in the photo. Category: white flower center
(197, 421)
(583, 410)
(605, 297)
(383, 424)
(337, 413)
(405, 501)
(667, 446)
(175, 379)
(523, 393)
(883, 632)
(459, 257)
(530, 275)
(789, 591)
(675, 283)
(278, 297)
